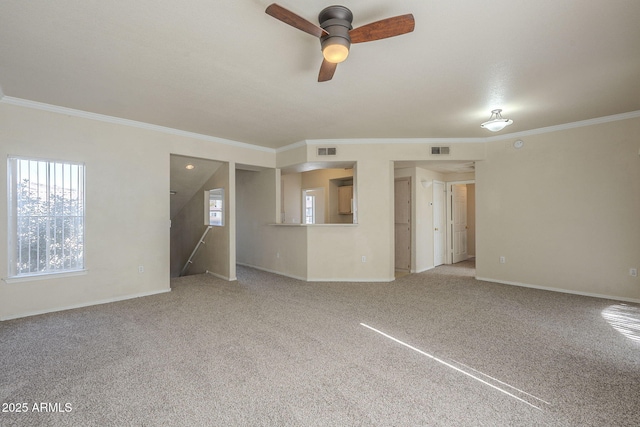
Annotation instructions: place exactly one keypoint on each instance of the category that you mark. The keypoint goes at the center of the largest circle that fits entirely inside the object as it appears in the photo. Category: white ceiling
(226, 69)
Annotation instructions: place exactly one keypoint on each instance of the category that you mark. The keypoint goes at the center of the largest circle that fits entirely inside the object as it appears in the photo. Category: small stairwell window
(46, 216)
(214, 207)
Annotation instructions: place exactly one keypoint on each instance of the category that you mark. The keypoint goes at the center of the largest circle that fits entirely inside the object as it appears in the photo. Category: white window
(46, 216)
(214, 207)
(309, 209)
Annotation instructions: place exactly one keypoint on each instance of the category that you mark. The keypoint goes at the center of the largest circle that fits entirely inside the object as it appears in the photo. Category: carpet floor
(437, 348)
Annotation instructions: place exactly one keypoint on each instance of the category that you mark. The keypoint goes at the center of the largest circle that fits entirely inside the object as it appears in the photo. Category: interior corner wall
(563, 210)
(335, 251)
(259, 242)
(188, 226)
(291, 205)
(126, 210)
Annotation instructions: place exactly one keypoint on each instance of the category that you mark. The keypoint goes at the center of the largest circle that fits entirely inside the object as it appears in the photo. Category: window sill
(44, 276)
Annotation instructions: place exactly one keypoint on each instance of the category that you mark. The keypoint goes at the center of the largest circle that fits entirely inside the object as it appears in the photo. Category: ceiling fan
(336, 33)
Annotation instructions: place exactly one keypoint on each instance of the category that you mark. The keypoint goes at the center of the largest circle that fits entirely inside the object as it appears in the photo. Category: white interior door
(459, 222)
(439, 223)
(402, 199)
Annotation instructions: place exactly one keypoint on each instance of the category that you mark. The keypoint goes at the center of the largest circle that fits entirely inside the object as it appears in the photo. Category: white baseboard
(272, 271)
(564, 291)
(85, 304)
(425, 269)
(220, 276)
(311, 279)
(352, 280)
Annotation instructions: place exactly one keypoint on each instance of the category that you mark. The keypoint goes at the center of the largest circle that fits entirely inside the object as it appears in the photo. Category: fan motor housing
(336, 20)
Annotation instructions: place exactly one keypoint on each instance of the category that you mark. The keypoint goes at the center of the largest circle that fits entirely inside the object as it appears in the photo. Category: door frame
(443, 224)
(411, 228)
(449, 213)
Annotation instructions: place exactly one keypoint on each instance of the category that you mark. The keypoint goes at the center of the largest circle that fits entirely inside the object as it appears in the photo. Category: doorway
(460, 221)
(439, 223)
(402, 220)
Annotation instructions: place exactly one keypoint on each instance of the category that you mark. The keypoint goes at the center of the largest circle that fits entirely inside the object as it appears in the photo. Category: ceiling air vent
(439, 150)
(327, 151)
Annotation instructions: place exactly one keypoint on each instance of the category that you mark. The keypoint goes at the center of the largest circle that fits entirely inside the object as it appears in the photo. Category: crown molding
(126, 122)
(293, 146)
(308, 142)
(566, 126)
(362, 141)
(548, 129)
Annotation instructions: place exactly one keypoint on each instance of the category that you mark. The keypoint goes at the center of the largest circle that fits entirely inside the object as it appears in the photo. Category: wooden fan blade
(389, 27)
(294, 20)
(326, 71)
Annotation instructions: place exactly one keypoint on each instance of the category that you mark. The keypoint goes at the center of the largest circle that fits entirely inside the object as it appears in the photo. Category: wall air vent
(439, 150)
(327, 151)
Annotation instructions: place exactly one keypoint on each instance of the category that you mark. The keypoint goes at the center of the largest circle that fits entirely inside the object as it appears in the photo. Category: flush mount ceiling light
(496, 122)
(190, 166)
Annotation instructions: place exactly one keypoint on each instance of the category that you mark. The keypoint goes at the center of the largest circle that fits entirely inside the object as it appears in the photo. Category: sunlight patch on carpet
(625, 319)
(494, 383)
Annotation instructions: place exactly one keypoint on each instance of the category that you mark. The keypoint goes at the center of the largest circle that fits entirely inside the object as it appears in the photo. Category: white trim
(44, 276)
(84, 304)
(548, 129)
(424, 269)
(448, 237)
(565, 126)
(126, 122)
(307, 142)
(220, 276)
(564, 291)
(292, 146)
(351, 280)
(364, 141)
(268, 270)
(279, 273)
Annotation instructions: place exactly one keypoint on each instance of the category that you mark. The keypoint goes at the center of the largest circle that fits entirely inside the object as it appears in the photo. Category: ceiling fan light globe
(335, 53)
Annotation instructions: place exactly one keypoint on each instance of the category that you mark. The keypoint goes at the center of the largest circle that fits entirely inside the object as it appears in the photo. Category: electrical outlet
(141, 269)
(503, 260)
(277, 254)
(364, 258)
(633, 272)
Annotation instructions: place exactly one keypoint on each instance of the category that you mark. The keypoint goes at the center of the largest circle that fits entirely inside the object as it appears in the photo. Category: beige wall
(260, 243)
(563, 210)
(291, 198)
(127, 204)
(336, 251)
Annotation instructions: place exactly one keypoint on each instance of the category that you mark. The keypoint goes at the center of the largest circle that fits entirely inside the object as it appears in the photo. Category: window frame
(50, 184)
(215, 194)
